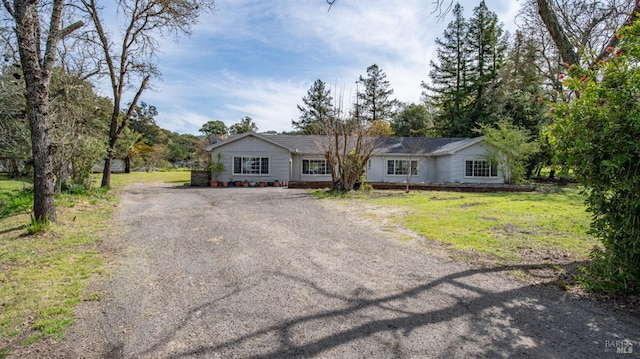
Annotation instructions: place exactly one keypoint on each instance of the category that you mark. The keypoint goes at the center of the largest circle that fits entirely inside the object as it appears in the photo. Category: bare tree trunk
(106, 173)
(43, 179)
(118, 124)
(127, 165)
(37, 97)
(37, 67)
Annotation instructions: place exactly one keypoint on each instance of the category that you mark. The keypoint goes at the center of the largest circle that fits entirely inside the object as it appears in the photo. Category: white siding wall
(297, 175)
(296, 167)
(254, 147)
(429, 164)
(443, 169)
(456, 164)
(285, 166)
(377, 171)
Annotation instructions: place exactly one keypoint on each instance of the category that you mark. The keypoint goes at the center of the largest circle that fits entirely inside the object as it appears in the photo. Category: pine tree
(373, 103)
(449, 89)
(518, 98)
(318, 106)
(487, 47)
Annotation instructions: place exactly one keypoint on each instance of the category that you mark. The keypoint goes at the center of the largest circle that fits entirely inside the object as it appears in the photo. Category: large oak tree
(38, 30)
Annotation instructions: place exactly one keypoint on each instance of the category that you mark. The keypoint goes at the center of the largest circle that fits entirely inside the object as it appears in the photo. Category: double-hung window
(480, 168)
(251, 166)
(401, 167)
(314, 167)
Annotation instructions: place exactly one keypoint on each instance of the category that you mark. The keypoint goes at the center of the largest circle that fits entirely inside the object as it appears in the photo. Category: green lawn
(120, 179)
(43, 276)
(502, 224)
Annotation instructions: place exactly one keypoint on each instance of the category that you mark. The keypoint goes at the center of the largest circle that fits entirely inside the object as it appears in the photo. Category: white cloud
(258, 59)
(227, 97)
(183, 120)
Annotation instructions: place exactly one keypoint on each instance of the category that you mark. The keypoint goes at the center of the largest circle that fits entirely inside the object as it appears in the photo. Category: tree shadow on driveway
(470, 321)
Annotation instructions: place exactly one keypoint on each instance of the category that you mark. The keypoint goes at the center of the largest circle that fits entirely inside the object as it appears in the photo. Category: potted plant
(237, 183)
(245, 183)
(276, 183)
(262, 184)
(216, 167)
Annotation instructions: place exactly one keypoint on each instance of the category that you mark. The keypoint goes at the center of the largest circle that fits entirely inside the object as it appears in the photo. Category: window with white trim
(314, 167)
(480, 168)
(401, 167)
(251, 166)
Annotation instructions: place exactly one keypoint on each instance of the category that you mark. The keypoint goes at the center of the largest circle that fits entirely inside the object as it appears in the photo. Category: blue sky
(258, 58)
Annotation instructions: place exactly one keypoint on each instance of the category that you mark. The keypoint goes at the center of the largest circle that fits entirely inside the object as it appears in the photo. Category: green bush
(598, 132)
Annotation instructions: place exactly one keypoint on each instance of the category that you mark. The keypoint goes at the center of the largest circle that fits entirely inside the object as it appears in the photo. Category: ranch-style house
(260, 157)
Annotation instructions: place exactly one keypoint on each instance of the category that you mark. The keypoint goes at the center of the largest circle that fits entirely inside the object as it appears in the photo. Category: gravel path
(275, 273)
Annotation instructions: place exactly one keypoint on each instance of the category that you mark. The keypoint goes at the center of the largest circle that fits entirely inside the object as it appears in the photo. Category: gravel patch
(276, 273)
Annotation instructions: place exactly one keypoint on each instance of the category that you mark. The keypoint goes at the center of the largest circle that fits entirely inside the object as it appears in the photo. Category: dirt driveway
(275, 273)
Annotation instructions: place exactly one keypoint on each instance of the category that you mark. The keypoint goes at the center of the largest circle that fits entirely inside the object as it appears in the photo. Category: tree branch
(330, 2)
(71, 28)
(133, 104)
(550, 20)
(7, 6)
(613, 41)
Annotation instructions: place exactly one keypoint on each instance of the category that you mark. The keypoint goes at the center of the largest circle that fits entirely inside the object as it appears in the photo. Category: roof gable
(453, 147)
(238, 137)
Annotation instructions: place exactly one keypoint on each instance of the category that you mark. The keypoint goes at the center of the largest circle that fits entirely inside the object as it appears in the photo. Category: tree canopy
(373, 101)
(470, 56)
(246, 124)
(214, 128)
(318, 105)
(413, 121)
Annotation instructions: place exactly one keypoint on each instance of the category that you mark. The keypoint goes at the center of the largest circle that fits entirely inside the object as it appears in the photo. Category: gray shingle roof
(416, 145)
(454, 146)
(306, 144)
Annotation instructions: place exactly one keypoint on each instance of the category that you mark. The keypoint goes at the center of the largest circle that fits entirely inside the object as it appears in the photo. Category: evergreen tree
(317, 107)
(413, 121)
(470, 56)
(449, 89)
(519, 98)
(373, 103)
(487, 47)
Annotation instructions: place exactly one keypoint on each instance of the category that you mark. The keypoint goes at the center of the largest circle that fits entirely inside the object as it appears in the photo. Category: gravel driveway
(275, 273)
